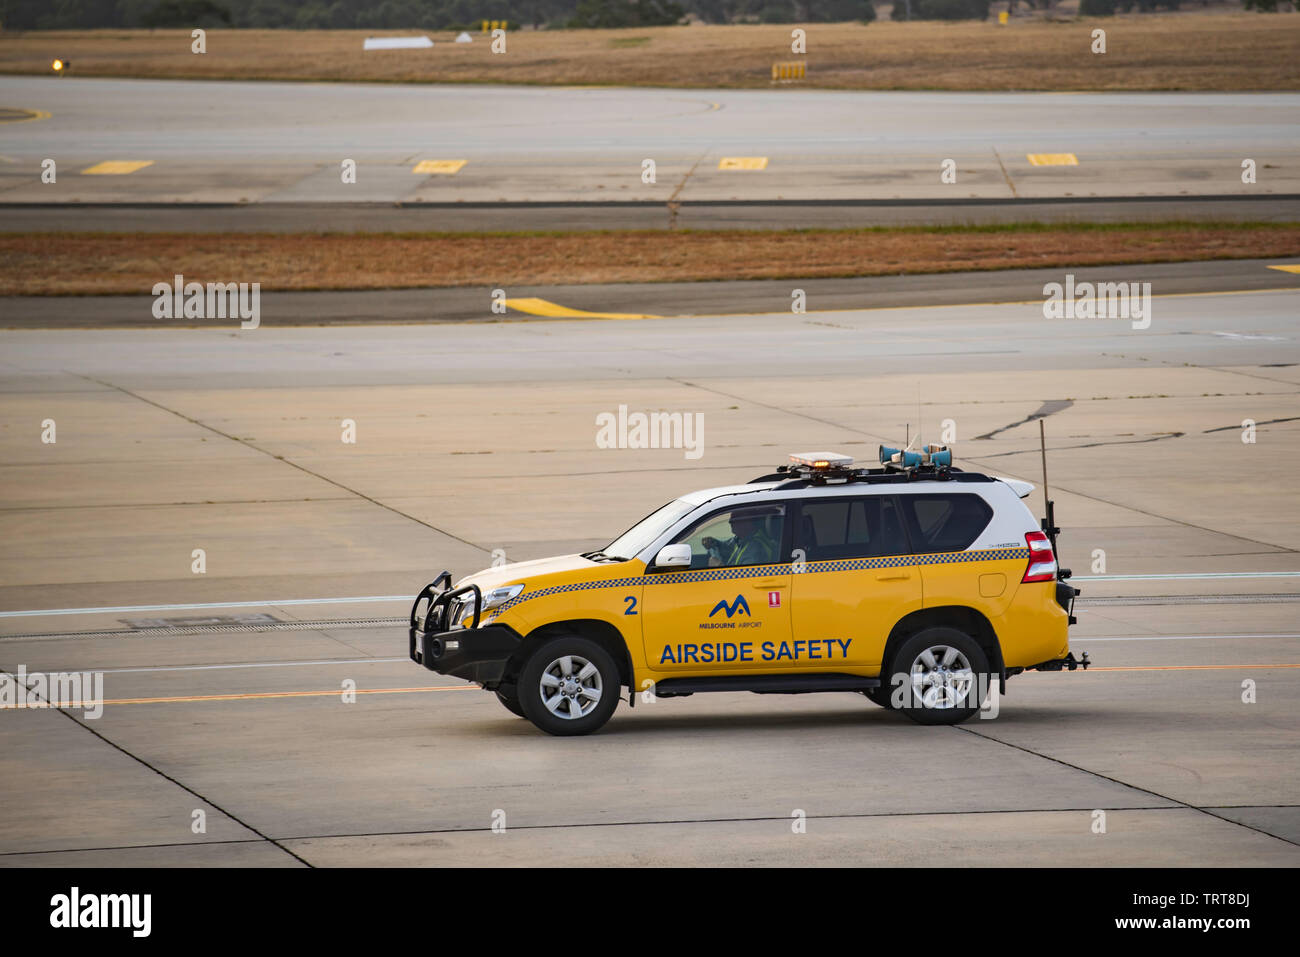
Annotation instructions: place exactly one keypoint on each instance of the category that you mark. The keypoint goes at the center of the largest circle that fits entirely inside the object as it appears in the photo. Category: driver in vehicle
(750, 543)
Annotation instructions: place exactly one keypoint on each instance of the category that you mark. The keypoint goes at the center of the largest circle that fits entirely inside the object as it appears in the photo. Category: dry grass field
(1193, 51)
(102, 263)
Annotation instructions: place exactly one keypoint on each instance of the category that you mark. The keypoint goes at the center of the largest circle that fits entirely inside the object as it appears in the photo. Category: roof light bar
(822, 460)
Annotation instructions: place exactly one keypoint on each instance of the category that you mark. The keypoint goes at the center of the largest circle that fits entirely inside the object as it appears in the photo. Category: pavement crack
(280, 458)
(167, 777)
(1206, 810)
(1056, 486)
(1089, 445)
(1232, 428)
(777, 408)
(1005, 175)
(673, 204)
(1049, 407)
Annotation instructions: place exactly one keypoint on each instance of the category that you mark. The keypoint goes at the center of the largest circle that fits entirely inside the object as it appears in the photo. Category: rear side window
(863, 527)
(945, 523)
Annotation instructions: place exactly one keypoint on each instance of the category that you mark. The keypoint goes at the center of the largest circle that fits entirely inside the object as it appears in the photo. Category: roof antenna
(919, 430)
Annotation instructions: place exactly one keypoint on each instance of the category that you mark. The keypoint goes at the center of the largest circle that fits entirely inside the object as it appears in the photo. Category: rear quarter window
(945, 522)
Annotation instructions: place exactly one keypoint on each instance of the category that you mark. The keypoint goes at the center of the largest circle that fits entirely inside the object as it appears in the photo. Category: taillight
(1042, 563)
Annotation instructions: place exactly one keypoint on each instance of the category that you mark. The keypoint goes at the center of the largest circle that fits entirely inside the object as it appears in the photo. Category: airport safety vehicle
(916, 584)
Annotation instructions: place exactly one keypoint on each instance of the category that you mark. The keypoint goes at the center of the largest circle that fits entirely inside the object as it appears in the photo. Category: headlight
(499, 596)
(463, 609)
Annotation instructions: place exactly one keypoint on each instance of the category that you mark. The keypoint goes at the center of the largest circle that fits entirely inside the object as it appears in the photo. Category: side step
(764, 684)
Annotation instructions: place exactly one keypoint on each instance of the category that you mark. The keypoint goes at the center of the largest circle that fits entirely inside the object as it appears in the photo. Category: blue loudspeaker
(886, 453)
(941, 459)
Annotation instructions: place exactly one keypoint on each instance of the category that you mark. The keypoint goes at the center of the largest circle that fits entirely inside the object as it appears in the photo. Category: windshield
(640, 535)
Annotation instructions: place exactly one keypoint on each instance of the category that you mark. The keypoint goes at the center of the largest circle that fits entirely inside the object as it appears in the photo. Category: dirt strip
(60, 264)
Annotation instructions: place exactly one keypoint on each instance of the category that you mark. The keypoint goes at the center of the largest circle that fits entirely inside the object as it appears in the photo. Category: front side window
(749, 535)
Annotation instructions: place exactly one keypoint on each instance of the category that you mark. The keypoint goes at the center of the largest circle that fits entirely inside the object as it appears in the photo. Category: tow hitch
(1068, 663)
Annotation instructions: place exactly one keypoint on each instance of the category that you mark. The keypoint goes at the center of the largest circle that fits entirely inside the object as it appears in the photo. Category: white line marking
(110, 610)
(1185, 577)
(359, 599)
(250, 664)
(1083, 641)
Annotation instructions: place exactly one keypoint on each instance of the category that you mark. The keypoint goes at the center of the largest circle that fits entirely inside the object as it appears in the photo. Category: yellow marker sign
(116, 167)
(793, 70)
(439, 167)
(542, 307)
(1052, 159)
(1288, 267)
(743, 162)
(1003, 17)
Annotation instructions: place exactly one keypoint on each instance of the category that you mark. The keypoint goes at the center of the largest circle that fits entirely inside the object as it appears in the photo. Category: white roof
(706, 494)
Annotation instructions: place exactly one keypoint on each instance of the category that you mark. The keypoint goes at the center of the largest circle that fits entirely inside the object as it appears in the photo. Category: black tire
(950, 703)
(880, 695)
(511, 703)
(549, 711)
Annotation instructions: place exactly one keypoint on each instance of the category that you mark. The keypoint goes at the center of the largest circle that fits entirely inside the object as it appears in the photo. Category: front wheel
(942, 671)
(511, 703)
(569, 685)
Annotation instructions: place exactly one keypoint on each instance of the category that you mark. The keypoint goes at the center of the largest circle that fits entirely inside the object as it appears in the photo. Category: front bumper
(473, 653)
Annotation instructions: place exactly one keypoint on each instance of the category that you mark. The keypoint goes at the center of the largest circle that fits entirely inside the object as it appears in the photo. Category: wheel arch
(593, 629)
(962, 617)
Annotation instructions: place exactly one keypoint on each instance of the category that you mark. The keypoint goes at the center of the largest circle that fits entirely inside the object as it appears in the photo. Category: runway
(480, 436)
(249, 143)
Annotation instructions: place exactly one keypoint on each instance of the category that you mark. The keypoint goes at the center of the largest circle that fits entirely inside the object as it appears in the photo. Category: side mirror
(674, 556)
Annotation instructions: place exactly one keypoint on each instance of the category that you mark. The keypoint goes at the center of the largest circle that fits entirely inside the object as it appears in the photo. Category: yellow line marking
(116, 167)
(439, 167)
(264, 694)
(541, 307)
(30, 115)
(1052, 159)
(471, 687)
(743, 162)
(1288, 267)
(577, 314)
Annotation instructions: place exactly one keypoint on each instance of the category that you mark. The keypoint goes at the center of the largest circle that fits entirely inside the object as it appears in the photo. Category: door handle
(770, 586)
(894, 577)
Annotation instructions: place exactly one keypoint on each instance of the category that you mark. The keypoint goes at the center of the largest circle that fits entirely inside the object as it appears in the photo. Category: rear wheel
(880, 695)
(569, 685)
(942, 669)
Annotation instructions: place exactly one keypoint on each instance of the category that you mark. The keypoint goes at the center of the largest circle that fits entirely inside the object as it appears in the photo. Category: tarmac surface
(741, 297)
(224, 690)
(245, 143)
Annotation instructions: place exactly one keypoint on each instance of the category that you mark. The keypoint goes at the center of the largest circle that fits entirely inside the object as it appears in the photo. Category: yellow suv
(817, 577)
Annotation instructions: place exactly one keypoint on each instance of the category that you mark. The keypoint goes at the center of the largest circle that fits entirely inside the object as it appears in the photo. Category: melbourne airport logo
(59, 689)
(739, 605)
(653, 430)
(1103, 300)
(75, 909)
(215, 300)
